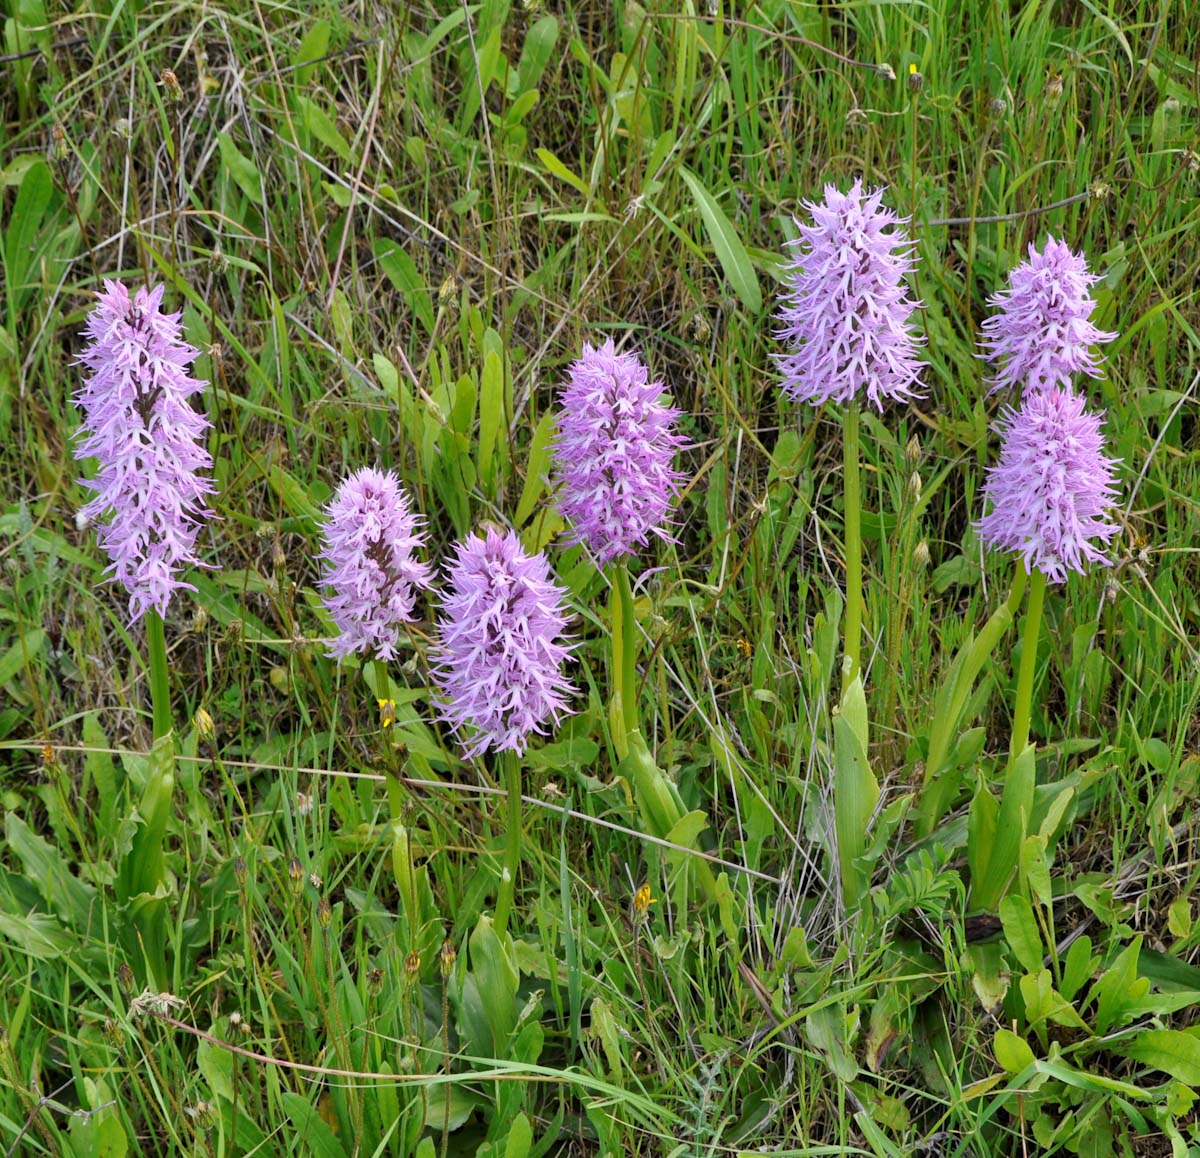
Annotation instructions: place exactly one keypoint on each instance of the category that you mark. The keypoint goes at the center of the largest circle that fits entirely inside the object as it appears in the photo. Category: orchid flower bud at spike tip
(846, 315)
(371, 536)
(1052, 487)
(614, 453)
(500, 650)
(139, 424)
(1042, 334)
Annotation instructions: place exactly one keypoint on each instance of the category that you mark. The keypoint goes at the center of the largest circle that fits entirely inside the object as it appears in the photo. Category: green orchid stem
(395, 791)
(853, 495)
(624, 662)
(512, 855)
(160, 678)
(1029, 641)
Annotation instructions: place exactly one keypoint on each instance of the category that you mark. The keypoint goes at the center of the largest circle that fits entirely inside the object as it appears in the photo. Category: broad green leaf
(1003, 828)
(1021, 932)
(1170, 1050)
(37, 935)
(142, 870)
(1118, 988)
(491, 410)
(535, 53)
(574, 752)
(322, 126)
(292, 493)
(1078, 967)
(687, 829)
(855, 792)
(1044, 1003)
(728, 246)
(401, 271)
(49, 872)
(100, 769)
(520, 1138)
(243, 171)
(15, 659)
(558, 169)
(313, 46)
(1012, 1052)
(20, 239)
(495, 972)
(462, 1105)
(483, 57)
(1035, 867)
(314, 1134)
(537, 469)
(1179, 917)
(216, 1064)
(605, 1027)
(1167, 972)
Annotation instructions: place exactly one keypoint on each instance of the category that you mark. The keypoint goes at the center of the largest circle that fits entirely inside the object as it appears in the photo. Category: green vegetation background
(390, 228)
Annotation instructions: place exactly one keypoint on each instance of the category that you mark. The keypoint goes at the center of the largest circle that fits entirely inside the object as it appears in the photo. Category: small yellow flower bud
(203, 723)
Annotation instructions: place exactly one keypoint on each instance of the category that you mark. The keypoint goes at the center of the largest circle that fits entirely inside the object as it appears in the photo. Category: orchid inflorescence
(845, 319)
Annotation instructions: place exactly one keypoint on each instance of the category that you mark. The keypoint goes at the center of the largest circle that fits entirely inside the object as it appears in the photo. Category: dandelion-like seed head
(370, 539)
(845, 316)
(1042, 334)
(500, 650)
(139, 425)
(1053, 486)
(614, 453)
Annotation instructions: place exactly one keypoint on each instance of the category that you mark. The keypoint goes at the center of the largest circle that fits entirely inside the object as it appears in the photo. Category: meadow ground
(390, 229)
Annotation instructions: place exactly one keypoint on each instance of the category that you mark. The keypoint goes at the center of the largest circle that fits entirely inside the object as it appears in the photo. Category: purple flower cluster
(1042, 334)
(846, 313)
(499, 656)
(370, 539)
(139, 424)
(614, 453)
(1052, 486)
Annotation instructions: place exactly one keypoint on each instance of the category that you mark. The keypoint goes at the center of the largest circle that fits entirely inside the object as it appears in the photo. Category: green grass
(390, 230)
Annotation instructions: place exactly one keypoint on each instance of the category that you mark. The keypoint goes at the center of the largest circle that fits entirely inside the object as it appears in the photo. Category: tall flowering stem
(1030, 631)
(151, 488)
(854, 566)
(370, 538)
(160, 676)
(140, 426)
(1051, 492)
(498, 663)
(845, 322)
(624, 712)
(615, 455)
(512, 854)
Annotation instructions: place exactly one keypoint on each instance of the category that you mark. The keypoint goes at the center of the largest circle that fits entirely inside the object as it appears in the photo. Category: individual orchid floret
(846, 314)
(1053, 487)
(370, 539)
(500, 650)
(614, 453)
(1042, 334)
(140, 426)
